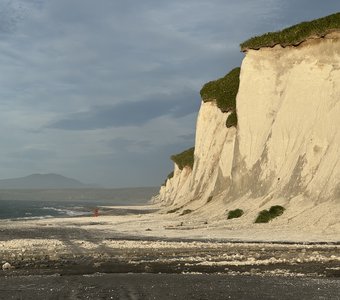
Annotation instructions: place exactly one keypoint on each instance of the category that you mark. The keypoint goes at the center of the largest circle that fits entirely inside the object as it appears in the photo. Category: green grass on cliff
(184, 159)
(296, 34)
(223, 90)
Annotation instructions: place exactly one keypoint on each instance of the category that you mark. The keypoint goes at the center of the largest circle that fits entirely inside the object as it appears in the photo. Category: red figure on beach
(96, 212)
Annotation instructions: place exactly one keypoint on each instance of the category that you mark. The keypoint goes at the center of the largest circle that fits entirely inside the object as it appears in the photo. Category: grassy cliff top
(184, 159)
(296, 34)
(223, 90)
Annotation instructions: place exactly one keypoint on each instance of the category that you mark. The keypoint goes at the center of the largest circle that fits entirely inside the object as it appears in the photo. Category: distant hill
(42, 181)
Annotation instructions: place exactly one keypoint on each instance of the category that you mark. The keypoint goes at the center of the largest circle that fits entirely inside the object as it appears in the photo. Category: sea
(38, 204)
(26, 209)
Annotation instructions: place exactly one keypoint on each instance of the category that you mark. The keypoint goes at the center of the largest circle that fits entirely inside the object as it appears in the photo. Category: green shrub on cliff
(232, 120)
(267, 215)
(223, 90)
(296, 34)
(233, 214)
(263, 217)
(276, 210)
(184, 159)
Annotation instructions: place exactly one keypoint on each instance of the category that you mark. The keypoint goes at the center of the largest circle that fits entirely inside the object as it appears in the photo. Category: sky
(105, 91)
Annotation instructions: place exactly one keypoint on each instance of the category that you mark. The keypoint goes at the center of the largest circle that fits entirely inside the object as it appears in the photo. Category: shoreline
(138, 241)
(152, 222)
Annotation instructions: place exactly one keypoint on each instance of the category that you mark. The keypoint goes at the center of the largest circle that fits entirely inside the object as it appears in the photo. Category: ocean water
(27, 209)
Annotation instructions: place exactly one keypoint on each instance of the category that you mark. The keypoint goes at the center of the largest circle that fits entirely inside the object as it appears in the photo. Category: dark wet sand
(167, 287)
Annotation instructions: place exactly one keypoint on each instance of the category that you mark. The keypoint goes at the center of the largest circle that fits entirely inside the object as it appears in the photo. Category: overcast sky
(105, 91)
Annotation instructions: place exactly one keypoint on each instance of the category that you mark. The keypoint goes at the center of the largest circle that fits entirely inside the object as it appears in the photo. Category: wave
(30, 218)
(28, 210)
(68, 212)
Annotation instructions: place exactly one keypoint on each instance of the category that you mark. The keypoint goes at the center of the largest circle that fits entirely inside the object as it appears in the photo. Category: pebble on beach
(6, 266)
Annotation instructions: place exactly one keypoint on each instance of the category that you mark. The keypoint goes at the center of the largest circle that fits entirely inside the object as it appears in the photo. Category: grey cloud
(188, 137)
(145, 168)
(305, 10)
(33, 154)
(131, 113)
(10, 14)
(124, 145)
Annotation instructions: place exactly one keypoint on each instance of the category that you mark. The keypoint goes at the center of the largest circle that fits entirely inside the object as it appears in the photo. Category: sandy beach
(142, 240)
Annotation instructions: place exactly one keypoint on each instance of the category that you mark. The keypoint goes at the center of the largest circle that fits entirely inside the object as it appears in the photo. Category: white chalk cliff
(285, 149)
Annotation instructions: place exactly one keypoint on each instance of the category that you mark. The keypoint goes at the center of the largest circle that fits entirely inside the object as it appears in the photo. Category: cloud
(124, 145)
(131, 113)
(33, 154)
(11, 13)
(306, 10)
(138, 168)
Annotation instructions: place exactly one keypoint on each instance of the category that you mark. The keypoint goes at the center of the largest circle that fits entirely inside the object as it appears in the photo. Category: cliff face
(286, 147)
(214, 148)
(288, 140)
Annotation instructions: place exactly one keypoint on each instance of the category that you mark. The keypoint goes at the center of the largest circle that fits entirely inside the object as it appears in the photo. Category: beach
(143, 242)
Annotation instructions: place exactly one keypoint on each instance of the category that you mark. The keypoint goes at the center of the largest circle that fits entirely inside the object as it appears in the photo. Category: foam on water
(18, 209)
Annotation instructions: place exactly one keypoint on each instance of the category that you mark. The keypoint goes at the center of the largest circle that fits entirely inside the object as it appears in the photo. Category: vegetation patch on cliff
(296, 34)
(223, 90)
(234, 214)
(231, 120)
(184, 159)
(267, 215)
